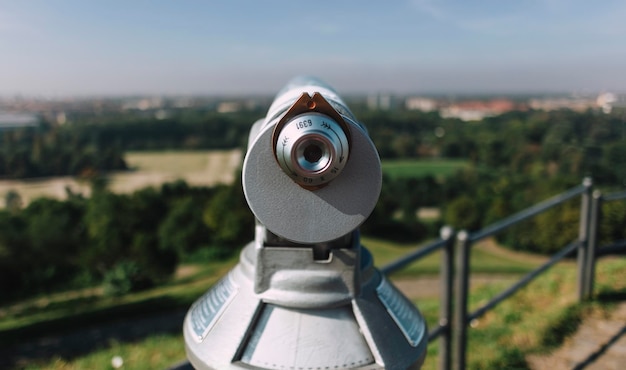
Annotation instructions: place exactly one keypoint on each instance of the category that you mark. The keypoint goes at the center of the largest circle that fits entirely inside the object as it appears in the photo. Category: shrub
(124, 277)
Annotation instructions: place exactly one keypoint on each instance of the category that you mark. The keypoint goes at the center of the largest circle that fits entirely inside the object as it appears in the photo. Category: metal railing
(443, 330)
(454, 319)
(594, 250)
(465, 241)
(451, 329)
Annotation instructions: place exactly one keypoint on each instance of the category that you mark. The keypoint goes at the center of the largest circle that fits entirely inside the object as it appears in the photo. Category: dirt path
(429, 286)
(598, 344)
(490, 245)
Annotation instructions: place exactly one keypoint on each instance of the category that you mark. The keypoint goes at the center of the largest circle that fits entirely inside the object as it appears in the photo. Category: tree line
(95, 145)
(521, 158)
(128, 242)
(133, 241)
(516, 160)
(51, 151)
(558, 143)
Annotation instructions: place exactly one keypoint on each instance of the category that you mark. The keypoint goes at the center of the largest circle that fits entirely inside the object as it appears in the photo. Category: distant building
(162, 114)
(575, 104)
(476, 110)
(143, 104)
(17, 120)
(184, 102)
(381, 102)
(422, 104)
(60, 118)
(605, 102)
(229, 107)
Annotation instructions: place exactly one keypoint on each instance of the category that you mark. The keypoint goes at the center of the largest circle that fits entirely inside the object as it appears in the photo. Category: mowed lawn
(534, 320)
(439, 168)
(197, 168)
(163, 350)
(183, 162)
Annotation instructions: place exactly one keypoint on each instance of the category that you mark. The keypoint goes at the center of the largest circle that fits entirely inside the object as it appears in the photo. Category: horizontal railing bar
(185, 365)
(527, 213)
(436, 333)
(523, 281)
(614, 196)
(615, 248)
(402, 262)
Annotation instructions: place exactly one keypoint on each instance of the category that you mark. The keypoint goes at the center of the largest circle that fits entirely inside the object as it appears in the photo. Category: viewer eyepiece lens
(313, 153)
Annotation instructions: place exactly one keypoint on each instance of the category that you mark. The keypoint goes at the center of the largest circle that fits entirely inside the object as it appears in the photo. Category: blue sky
(74, 47)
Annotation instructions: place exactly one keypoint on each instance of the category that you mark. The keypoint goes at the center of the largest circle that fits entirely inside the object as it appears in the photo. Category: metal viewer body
(305, 294)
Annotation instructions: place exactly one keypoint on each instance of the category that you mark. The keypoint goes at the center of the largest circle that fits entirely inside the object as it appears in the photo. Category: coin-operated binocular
(305, 294)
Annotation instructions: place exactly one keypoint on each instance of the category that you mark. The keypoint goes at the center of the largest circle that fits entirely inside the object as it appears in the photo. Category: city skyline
(74, 48)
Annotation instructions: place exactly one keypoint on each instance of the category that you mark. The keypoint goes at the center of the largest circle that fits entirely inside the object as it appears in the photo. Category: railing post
(459, 324)
(583, 237)
(445, 310)
(592, 244)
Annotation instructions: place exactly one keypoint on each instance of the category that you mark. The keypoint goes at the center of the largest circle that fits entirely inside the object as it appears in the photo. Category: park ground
(144, 329)
(538, 328)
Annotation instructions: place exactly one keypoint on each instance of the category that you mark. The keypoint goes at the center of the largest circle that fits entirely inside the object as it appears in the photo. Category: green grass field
(37, 316)
(183, 162)
(198, 168)
(534, 320)
(439, 168)
(482, 260)
(157, 352)
(48, 314)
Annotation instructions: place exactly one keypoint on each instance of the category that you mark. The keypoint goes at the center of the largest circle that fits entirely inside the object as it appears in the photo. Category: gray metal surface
(583, 238)
(307, 339)
(369, 325)
(312, 148)
(614, 196)
(461, 291)
(443, 330)
(305, 294)
(618, 247)
(306, 216)
(445, 301)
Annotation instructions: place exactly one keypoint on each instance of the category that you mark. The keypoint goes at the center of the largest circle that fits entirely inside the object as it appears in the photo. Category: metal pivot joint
(305, 293)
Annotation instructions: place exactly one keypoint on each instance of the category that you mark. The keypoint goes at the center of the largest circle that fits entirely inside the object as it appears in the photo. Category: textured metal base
(372, 326)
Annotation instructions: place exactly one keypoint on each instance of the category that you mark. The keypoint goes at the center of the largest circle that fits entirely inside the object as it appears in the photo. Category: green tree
(123, 278)
(14, 257)
(228, 218)
(464, 213)
(53, 235)
(183, 230)
(612, 227)
(615, 160)
(13, 201)
(556, 228)
(108, 223)
(124, 228)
